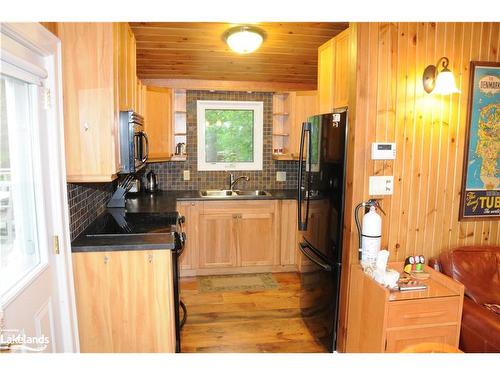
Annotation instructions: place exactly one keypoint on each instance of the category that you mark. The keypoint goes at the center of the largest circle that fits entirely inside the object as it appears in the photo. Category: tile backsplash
(170, 174)
(86, 202)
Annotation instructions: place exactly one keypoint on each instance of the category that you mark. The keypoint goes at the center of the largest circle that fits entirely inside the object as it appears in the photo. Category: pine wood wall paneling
(422, 215)
(389, 104)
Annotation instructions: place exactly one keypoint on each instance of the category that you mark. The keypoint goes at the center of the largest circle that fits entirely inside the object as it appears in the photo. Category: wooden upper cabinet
(305, 106)
(140, 98)
(333, 66)
(158, 122)
(127, 68)
(90, 96)
(341, 72)
(290, 110)
(326, 58)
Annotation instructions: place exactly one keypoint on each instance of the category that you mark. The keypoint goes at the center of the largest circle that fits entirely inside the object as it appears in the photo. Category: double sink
(233, 193)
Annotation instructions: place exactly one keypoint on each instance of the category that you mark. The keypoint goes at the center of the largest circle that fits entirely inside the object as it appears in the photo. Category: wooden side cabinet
(125, 301)
(384, 321)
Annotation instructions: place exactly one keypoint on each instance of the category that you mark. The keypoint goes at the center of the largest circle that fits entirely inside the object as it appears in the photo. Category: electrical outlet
(186, 175)
(281, 176)
(381, 185)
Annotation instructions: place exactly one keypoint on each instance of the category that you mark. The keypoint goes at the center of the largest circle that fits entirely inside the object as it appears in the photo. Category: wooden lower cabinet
(238, 236)
(125, 301)
(257, 238)
(384, 321)
(217, 240)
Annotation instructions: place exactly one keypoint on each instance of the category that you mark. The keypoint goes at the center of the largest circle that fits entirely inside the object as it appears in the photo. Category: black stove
(119, 222)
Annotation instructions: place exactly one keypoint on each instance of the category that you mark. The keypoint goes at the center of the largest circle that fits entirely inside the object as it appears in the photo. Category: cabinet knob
(150, 258)
(106, 259)
(86, 126)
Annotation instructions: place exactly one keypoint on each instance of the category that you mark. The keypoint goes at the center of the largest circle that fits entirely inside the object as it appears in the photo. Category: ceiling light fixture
(244, 39)
(441, 82)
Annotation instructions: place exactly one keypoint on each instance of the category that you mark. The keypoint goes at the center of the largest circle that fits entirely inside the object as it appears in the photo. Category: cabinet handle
(150, 258)
(237, 216)
(430, 314)
(106, 259)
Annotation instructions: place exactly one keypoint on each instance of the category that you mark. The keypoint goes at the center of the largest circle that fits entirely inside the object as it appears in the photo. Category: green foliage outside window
(229, 135)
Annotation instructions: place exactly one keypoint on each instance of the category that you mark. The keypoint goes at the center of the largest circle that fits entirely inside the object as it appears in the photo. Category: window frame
(258, 134)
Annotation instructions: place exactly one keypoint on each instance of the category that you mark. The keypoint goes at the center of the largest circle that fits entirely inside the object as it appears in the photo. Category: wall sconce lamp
(441, 82)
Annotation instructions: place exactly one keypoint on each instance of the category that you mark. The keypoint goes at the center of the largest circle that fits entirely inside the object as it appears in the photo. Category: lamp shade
(445, 83)
(244, 40)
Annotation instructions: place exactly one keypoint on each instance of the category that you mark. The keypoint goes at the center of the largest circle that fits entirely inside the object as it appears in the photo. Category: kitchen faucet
(233, 181)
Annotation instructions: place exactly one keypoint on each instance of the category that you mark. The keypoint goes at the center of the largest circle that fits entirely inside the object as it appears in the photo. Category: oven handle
(145, 136)
(309, 254)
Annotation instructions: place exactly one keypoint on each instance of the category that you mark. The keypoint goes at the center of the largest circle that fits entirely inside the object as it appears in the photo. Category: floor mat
(227, 283)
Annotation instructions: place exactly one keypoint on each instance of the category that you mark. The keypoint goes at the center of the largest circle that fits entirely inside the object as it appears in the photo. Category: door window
(19, 245)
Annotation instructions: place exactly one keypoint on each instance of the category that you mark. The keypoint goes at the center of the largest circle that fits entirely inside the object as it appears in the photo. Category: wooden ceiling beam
(222, 85)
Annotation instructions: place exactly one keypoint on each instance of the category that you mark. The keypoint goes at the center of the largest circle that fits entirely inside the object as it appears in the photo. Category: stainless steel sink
(217, 193)
(227, 194)
(252, 193)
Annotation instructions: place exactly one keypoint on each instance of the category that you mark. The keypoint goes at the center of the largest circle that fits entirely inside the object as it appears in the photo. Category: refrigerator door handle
(309, 254)
(306, 127)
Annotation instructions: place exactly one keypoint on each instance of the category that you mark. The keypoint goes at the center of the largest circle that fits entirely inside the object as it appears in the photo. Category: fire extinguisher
(370, 234)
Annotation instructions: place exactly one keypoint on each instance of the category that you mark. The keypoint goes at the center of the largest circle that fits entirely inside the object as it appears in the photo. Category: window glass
(229, 135)
(19, 250)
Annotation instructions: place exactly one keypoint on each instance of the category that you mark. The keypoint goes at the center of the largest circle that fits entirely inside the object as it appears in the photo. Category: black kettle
(151, 183)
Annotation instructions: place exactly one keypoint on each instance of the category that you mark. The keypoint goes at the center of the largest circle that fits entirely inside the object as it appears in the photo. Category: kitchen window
(230, 135)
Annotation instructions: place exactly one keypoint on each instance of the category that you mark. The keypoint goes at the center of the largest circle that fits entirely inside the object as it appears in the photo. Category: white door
(32, 314)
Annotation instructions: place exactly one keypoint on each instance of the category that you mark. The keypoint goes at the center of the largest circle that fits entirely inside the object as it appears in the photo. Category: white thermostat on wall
(383, 151)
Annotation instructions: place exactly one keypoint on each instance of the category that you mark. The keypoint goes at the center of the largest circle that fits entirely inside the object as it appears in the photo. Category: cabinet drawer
(400, 339)
(423, 311)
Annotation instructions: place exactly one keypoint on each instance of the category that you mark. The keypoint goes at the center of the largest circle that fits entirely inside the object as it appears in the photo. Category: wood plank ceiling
(196, 50)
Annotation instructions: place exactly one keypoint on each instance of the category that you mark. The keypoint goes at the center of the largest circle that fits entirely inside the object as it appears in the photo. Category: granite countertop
(159, 202)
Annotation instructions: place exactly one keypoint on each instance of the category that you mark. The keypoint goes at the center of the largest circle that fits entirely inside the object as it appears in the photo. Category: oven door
(141, 147)
(320, 281)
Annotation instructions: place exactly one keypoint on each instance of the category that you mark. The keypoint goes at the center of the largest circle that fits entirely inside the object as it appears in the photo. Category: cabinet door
(326, 58)
(89, 70)
(289, 240)
(158, 126)
(190, 211)
(131, 68)
(127, 68)
(217, 245)
(341, 72)
(399, 339)
(305, 105)
(116, 312)
(257, 239)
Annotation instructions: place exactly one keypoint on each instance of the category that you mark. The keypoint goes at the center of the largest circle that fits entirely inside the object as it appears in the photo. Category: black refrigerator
(320, 206)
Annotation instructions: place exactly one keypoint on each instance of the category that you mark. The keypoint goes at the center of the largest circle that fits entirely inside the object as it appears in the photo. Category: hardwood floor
(267, 321)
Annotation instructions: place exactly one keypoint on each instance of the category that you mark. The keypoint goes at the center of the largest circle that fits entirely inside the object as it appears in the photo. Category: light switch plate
(381, 185)
(186, 175)
(281, 176)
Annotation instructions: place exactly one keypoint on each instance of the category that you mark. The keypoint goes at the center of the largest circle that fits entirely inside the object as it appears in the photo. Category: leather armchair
(478, 268)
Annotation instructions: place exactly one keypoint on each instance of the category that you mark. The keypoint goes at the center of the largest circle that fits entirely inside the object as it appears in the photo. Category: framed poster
(480, 199)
